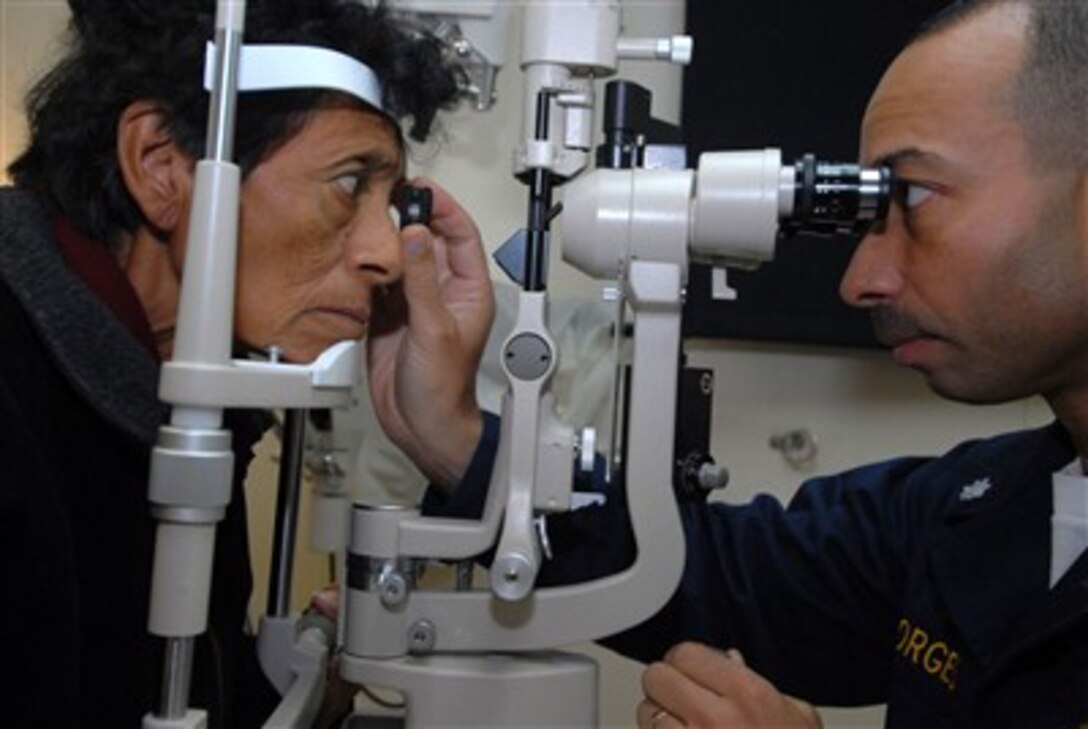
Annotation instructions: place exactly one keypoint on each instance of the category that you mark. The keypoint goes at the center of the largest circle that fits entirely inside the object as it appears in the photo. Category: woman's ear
(156, 171)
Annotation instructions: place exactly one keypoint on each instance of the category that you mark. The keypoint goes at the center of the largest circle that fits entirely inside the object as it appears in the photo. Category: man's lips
(912, 352)
(900, 333)
(893, 328)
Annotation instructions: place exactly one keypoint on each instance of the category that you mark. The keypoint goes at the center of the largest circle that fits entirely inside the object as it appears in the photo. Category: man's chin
(968, 392)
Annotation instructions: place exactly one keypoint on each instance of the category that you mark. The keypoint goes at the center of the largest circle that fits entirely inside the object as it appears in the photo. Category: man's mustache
(893, 327)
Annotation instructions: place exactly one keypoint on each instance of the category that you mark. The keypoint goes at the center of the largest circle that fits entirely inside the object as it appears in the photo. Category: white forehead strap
(274, 67)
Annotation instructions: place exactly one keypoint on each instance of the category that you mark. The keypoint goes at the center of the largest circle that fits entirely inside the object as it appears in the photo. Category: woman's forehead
(330, 134)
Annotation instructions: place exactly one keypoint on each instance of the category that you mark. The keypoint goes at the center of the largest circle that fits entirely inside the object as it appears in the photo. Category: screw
(421, 637)
(393, 589)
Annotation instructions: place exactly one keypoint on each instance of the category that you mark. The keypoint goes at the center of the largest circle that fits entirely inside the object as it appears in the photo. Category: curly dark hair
(121, 51)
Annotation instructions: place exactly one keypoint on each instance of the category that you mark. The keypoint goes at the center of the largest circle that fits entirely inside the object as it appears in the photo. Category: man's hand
(702, 687)
(427, 336)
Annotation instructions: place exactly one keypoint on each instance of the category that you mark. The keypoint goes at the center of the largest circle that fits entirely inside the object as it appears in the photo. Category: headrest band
(271, 67)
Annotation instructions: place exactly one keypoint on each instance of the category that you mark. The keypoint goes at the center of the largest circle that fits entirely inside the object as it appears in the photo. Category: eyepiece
(837, 198)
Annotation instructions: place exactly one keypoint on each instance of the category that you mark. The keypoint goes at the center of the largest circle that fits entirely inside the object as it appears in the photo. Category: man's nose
(874, 274)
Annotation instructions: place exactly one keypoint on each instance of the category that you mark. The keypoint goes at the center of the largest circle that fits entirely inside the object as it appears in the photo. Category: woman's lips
(353, 320)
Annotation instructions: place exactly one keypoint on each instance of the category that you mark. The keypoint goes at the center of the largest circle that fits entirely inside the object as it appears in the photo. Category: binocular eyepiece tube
(835, 197)
(731, 211)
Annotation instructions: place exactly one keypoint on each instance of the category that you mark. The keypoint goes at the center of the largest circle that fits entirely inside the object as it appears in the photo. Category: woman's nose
(373, 246)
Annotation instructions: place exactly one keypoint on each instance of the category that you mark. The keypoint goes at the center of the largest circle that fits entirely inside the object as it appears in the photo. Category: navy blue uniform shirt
(919, 582)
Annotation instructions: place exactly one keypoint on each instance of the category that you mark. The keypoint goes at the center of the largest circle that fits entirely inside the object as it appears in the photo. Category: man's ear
(1082, 206)
(156, 171)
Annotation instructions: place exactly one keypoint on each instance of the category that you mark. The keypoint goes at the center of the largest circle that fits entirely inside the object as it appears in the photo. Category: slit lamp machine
(489, 654)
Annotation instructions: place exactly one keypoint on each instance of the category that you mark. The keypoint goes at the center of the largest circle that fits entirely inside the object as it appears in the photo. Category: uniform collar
(991, 560)
(1005, 467)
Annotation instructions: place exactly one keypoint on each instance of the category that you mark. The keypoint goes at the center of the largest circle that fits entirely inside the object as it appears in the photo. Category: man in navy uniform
(954, 589)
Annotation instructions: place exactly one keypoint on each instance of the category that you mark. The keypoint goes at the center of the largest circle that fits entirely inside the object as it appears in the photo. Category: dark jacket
(922, 583)
(78, 415)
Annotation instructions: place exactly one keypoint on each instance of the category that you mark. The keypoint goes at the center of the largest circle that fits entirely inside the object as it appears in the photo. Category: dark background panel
(794, 75)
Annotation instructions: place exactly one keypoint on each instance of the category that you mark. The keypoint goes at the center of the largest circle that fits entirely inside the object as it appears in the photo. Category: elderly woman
(91, 251)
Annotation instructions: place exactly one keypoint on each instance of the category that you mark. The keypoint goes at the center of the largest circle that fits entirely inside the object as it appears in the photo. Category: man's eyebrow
(910, 154)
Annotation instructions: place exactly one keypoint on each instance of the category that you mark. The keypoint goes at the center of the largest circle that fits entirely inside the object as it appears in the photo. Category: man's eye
(914, 195)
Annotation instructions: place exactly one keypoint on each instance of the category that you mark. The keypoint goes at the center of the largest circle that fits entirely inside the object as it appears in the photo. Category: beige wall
(28, 37)
(858, 405)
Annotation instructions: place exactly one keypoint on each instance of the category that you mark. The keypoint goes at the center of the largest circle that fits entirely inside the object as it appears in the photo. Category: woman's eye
(351, 183)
